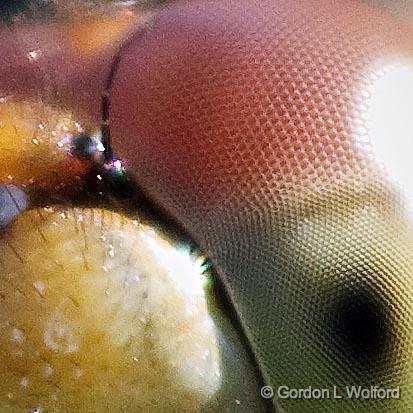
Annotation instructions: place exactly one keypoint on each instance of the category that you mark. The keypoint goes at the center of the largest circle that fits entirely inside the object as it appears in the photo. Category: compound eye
(275, 132)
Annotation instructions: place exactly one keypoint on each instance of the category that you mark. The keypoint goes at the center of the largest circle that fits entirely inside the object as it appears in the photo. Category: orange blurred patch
(95, 36)
(35, 145)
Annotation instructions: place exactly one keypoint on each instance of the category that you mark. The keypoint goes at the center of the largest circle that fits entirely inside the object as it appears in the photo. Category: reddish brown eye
(264, 127)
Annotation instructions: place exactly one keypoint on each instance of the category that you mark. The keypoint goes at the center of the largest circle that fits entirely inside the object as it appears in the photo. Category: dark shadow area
(363, 329)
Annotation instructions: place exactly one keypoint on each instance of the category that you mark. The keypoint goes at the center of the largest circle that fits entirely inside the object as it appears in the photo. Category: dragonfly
(222, 217)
